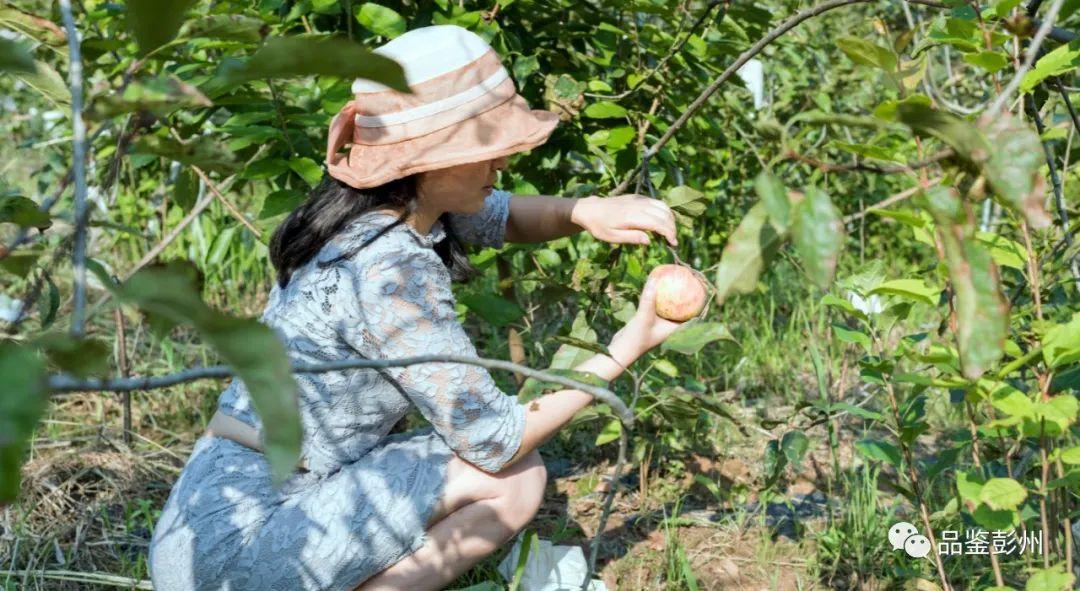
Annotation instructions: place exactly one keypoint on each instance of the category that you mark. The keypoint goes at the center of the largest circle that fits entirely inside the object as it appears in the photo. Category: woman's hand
(625, 219)
(645, 330)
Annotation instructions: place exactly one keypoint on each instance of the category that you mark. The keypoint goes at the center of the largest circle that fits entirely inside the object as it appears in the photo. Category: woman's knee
(523, 492)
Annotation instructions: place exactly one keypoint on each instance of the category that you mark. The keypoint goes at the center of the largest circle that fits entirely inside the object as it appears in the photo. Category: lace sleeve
(407, 309)
(486, 227)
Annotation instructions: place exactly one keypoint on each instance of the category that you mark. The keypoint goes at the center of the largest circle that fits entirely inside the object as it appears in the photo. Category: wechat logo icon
(905, 536)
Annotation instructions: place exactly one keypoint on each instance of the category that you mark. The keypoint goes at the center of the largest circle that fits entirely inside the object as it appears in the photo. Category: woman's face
(462, 188)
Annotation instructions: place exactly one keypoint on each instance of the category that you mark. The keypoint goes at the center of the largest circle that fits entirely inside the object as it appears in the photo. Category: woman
(364, 270)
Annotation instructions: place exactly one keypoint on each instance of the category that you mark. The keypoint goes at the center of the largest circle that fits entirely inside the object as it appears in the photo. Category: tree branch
(75, 81)
(63, 382)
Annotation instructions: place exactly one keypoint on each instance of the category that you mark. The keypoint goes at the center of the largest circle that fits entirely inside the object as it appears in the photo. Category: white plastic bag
(549, 567)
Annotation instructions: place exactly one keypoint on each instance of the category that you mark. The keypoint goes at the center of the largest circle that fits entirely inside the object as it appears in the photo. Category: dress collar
(433, 237)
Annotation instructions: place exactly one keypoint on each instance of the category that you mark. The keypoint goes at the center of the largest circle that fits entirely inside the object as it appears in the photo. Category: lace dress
(367, 496)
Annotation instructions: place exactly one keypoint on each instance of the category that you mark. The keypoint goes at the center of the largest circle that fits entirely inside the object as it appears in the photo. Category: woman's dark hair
(332, 205)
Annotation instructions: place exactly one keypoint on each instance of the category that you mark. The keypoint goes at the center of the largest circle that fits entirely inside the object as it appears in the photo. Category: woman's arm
(624, 219)
(550, 412)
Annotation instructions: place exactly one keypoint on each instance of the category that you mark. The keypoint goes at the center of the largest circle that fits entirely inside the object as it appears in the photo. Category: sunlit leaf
(160, 95)
(48, 82)
(1061, 344)
(1062, 59)
(912, 289)
(981, 310)
(1002, 493)
(380, 20)
(202, 151)
(695, 334)
(23, 212)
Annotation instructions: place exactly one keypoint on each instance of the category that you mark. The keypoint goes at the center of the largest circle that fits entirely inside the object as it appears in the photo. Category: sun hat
(464, 108)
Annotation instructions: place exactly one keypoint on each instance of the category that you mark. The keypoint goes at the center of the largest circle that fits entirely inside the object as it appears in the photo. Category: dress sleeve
(486, 227)
(407, 309)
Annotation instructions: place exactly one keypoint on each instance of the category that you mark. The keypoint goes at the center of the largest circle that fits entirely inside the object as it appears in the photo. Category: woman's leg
(478, 513)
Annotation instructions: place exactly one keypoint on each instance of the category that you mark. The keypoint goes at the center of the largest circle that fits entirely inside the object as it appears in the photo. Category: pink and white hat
(464, 108)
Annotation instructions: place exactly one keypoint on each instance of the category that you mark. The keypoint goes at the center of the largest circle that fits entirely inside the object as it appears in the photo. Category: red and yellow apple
(680, 295)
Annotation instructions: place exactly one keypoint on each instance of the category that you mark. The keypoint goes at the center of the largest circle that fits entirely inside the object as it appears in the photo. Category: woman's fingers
(650, 219)
(629, 237)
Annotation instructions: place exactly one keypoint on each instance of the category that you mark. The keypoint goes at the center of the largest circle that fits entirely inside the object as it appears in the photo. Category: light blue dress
(363, 505)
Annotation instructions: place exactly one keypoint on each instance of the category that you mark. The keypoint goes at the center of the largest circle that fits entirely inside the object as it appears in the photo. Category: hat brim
(506, 129)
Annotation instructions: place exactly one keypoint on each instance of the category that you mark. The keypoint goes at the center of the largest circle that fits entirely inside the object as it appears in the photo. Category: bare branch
(75, 80)
(66, 383)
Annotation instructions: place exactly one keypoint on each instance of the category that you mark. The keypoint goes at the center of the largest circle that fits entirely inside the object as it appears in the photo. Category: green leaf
(160, 95)
(609, 433)
(1061, 344)
(969, 485)
(1000, 520)
(14, 57)
(523, 66)
(689, 338)
(773, 194)
(818, 235)
(496, 310)
(605, 110)
(867, 53)
(880, 451)
(847, 335)
(23, 212)
(687, 200)
(1011, 401)
(991, 61)
(1050, 579)
(202, 151)
(1071, 455)
(794, 445)
(962, 136)
(301, 55)
(1062, 59)
(279, 202)
(80, 357)
(308, 169)
(227, 27)
(36, 27)
(1014, 169)
(1003, 7)
(380, 20)
(1005, 252)
(45, 80)
(22, 402)
(743, 258)
(1002, 493)
(19, 263)
(251, 348)
(186, 189)
(216, 256)
(911, 289)
(155, 22)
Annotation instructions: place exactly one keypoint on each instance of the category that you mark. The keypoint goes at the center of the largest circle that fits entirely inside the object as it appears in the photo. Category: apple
(680, 295)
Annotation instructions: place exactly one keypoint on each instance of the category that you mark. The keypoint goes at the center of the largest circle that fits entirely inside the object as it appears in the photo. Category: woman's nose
(500, 163)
